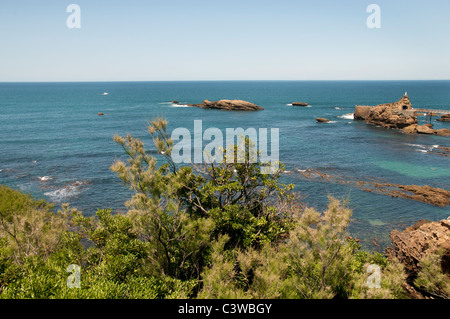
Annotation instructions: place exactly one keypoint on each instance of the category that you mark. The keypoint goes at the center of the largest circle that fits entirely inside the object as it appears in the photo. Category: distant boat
(105, 93)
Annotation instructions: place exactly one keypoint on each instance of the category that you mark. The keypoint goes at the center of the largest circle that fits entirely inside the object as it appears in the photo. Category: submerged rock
(322, 120)
(239, 105)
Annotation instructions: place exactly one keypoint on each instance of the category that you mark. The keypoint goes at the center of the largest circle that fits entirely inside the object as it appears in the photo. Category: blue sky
(137, 40)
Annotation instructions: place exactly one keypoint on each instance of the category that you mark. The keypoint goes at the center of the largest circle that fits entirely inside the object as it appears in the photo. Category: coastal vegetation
(218, 230)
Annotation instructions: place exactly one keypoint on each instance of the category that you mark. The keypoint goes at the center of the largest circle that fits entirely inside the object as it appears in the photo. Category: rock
(422, 193)
(412, 129)
(239, 105)
(175, 102)
(427, 194)
(414, 243)
(442, 132)
(389, 115)
(322, 120)
(299, 104)
(362, 112)
(444, 118)
(100, 113)
(424, 129)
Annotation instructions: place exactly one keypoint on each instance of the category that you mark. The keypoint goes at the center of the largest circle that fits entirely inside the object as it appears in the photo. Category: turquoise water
(55, 146)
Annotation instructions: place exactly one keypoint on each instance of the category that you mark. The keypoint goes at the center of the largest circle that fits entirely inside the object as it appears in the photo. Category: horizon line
(267, 80)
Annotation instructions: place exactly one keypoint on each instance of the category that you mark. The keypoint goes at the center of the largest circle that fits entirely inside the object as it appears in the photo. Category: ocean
(54, 145)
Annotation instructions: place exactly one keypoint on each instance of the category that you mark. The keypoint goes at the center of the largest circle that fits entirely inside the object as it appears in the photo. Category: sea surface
(54, 145)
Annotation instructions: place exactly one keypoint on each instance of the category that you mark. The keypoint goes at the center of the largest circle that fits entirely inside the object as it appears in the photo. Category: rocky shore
(413, 244)
(238, 105)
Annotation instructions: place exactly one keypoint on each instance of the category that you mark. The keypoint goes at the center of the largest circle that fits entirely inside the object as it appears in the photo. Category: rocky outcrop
(444, 118)
(442, 132)
(299, 104)
(239, 105)
(388, 115)
(322, 120)
(362, 112)
(416, 242)
(426, 129)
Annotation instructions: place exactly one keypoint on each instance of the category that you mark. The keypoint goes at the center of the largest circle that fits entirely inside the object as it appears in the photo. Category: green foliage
(219, 230)
(431, 278)
(13, 202)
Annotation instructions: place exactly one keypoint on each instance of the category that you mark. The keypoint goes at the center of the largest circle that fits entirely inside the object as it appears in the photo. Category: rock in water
(389, 115)
(299, 104)
(238, 105)
(424, 129)
(442, 132)
(444, 118)
(322, 120)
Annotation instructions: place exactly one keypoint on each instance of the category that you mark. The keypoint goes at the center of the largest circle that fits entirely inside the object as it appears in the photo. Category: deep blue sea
(53, 144)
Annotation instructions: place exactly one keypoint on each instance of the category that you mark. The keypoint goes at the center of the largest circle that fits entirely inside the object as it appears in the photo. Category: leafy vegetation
(218, 230)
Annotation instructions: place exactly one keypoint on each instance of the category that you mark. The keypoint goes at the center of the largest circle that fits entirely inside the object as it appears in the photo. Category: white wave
(290, 104)
(348, 116)
(423, 148)
(65, 192)
(61, 194)
(339, 108)
(415, 145)
(180, 105)
(45, 178)
(301, 170)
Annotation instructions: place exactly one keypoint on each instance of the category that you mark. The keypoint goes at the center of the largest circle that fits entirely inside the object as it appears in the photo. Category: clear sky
(151, 40)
